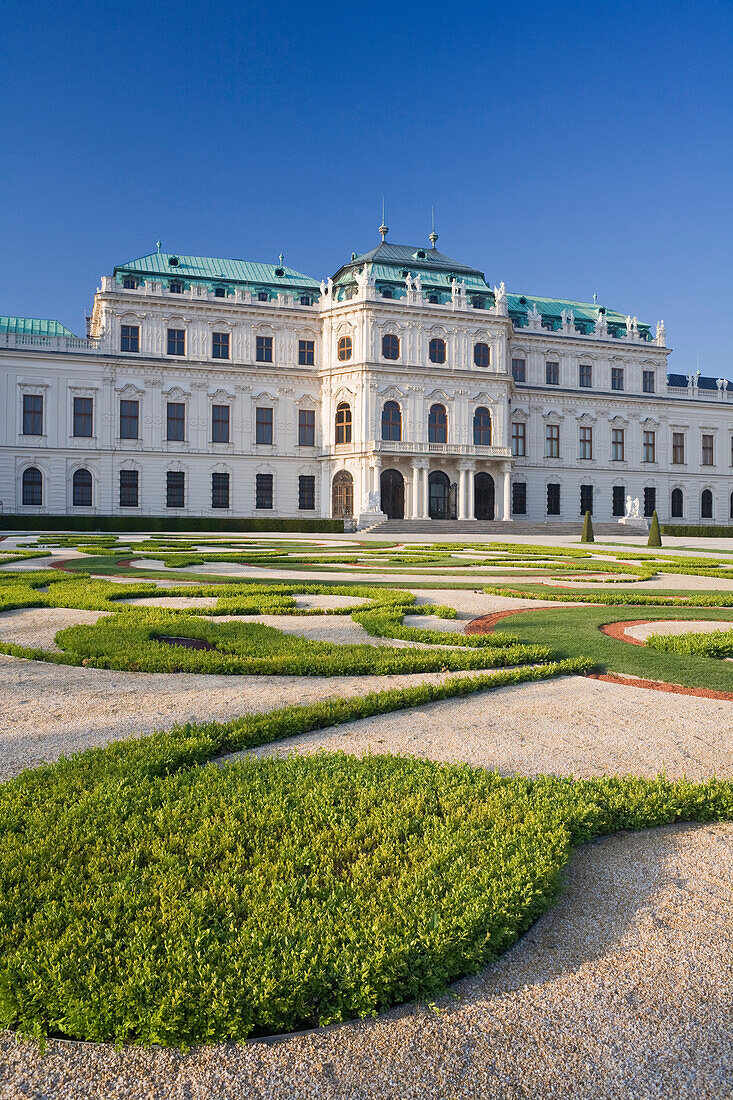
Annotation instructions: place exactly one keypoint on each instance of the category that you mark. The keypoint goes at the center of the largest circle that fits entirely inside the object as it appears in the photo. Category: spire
(282, 259)
(433, 238)
(383, 227)
(159, 244)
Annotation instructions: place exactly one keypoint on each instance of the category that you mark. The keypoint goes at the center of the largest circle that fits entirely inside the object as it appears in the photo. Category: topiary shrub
(655, 538)
(587, 535)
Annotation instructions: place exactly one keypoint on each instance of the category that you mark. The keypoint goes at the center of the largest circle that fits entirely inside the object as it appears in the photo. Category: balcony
(404, 447)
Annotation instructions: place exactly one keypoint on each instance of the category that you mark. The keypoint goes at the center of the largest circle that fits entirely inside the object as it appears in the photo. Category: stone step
(474, 527)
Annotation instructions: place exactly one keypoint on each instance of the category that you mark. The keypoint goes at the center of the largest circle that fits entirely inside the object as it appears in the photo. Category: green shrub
(587, 533)
(655, 539)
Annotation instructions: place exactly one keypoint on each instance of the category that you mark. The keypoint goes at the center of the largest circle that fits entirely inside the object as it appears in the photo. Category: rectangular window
(263, 491)
(647, 381)
(220, 425)
(32, 414)
(586, 499)
(263, 426)
(519, 498)
(617, 444)
(519, 370)
(552, 441)
(306, 427)
(264, 349)
(176, 421)
(129, 419)
(220, 345)
(552, 374)
(175, 489)
(617, 378)
(553, 499)
(306, 352)
(83, 417)
(586, 444)
(678, 447)
(585, 375)
(130, 338)
(129, 486)
(176, 341)
(650, 501)
(306, 493)
(707, 450)
(220, 490)
(649, 447)
(618, 499)
(519, 439)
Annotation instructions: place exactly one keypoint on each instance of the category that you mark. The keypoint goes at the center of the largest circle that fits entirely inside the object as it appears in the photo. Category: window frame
(550, 494)
(344, 349)
(678, 448)
(178, 420)
(129, 335)
(264, 426)
(482, 427)
(32, 422)
(618, 445)
(552, 440)
(30, 486)
(221, 345)
(519, 439)
(218, 418)
(707, 449)
(519, 498)
(129, 488)
(220, 489)
(264, 492)
(306, 493)
(585, 376)
(175, 489)
(437, 351)
(391, 424)
(617, 379)
(306, 427)
(176, 342)
(552, 373)
(586, 497)
(519, 367)
(437, 424)
(648, 381)
(343, 424)
(128, 418)
(264, 348)
(482, 354)
(80, 418)
(87, 488)
(585, 443)
(306, 353)
(390, 346)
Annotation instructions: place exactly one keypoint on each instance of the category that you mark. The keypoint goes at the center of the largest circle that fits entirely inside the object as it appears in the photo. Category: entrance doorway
(483, 496)
(438, 495)
(342, 495)
(392, 485)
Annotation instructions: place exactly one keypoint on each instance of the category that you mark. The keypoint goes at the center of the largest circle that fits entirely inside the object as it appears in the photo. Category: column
(462, 483)
(423, 492)
(507, 488)
(415, 498)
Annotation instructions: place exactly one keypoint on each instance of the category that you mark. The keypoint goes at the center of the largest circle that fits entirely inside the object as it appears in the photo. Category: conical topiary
(655, 535)
(587, 535)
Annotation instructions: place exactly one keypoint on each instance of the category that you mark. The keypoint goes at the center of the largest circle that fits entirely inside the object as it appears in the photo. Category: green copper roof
(216, 271)
(585, 313)
(33, 326)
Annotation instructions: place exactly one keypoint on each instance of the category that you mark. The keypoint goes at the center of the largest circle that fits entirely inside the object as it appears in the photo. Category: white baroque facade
(405, 383)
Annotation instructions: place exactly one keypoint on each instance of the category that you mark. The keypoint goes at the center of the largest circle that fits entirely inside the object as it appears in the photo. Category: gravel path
(572, 726)
(678, 626)
(37, 627)
(49, 710)
(621, 992)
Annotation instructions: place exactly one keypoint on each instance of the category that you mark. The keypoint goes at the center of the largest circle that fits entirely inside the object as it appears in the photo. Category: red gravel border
(486, 623)
(618, 630)
(660, 685)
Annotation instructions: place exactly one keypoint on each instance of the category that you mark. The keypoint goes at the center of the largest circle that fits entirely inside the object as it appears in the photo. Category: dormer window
(263, 296)
(434, 299)
(305, 300)
(176, 288)
(129, 283)
(477, 303)
(387, 293)
(220, 292)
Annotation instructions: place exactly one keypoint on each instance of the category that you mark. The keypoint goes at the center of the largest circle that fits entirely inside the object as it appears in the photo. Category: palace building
(406, 383)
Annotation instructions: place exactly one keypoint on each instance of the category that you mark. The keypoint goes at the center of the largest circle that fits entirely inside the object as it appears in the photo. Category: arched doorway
(438, 495)
(342, 495)
(392, 485)
(483, 496)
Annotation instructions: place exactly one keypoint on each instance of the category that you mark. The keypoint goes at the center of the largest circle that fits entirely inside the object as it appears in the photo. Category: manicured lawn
(573, 632)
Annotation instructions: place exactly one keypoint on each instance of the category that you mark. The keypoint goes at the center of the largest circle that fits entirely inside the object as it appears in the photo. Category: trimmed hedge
(697, 531)
(9, 522)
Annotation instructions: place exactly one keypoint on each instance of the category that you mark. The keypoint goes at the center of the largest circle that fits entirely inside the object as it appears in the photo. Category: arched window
(176, 288)
(481, 355)
(343, 423)
(482, 427)
(706, 504)
(436, 351)
(81, 489)
(390, 346)
(345, 348)
(437, 424)
(32, 486)
(391, 421)
(342, 495)
(678, 503)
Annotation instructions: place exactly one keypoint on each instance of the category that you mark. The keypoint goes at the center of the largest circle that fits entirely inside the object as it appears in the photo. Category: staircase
(473, 529)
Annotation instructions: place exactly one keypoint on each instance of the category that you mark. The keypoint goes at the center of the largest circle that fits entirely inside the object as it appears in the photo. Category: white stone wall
(59, 370)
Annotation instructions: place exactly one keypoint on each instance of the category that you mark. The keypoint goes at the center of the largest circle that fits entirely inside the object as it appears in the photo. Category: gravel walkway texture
(621, 992)
(678, 626)
(572, 726)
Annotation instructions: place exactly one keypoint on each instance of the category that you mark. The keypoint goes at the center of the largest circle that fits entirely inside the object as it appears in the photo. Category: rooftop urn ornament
(433, 236)
(159, 245)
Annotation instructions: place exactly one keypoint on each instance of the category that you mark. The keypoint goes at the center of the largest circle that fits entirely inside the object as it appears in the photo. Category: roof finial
(433, 238)
(282, 259)
(595, 299)
(160, 245)
(383, 227)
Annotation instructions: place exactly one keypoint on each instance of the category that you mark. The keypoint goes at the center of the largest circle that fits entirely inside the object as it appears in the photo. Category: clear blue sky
(568, 148)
